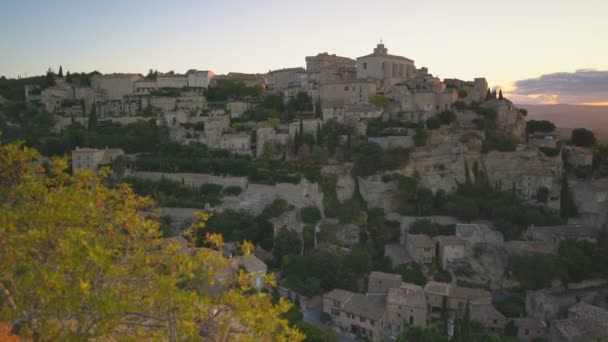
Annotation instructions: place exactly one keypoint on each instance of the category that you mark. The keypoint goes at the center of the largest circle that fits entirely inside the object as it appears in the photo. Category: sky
(538, 51)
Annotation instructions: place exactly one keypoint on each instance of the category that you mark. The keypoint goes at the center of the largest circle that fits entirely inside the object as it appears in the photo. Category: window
(335, 312)
(346, 88)
(337, 303)
(364, 66)
(362, 319)
(372, 322)
(411, 320)
(527, 332)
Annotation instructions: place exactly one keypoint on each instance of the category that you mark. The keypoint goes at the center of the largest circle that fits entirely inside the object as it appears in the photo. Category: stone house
(380, 282)
(491, 318)
(238, 108)
(308, 126)
(256, 269)
(116, 86)
(420, 247)
(579, 156)
(356, 313)
(398, 254)
(288, 78)
(585, 322)
(325, 67)
(238, 143)
(541, 139)
(92, 158)
(405, 306)
(451, 248)
(457, 297)
(269, 135)
(348, 92)
(529, 329)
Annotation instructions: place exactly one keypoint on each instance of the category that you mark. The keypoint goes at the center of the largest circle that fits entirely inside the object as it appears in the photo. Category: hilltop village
(383, 197)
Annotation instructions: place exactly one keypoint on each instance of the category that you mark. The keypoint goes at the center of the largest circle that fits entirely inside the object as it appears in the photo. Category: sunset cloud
(582, 86)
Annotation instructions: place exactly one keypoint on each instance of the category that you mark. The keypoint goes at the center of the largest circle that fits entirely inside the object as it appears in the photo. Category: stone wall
(379, 194)
(195, 179)
(393, 141)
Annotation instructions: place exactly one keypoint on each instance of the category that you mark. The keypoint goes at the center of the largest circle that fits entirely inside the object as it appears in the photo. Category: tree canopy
(79, 260)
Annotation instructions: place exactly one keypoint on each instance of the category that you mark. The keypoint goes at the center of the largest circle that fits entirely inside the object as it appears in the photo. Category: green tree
(500, 95)
(320, 154)
(583, 137)
(368, 159)
(310, 215)
(411, 273)
(119, 165)
(286, 242)
(542, 194)
(80, 261)
(92, 124)
(379, 100)
(60, 74)
(433, 123)
(421, 137)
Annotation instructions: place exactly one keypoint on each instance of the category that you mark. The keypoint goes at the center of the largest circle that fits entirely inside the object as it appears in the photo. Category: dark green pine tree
(60, 74)
(92, 124)
(494, 94)
(466, 324)
(68, 77)
(444, 315)
(500, 95)
(488, 95)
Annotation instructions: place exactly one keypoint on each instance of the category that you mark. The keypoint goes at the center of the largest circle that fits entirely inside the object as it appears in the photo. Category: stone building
(555, 234)
(380, 282)
(324, 68)
(457, 297)
(540, 139)
(451, 249)
(306, 126)
(383, 67)
(579, 156)
(349, 92)
(420, 247)
(529, 329)
(92, 158)
(195, 80)
(405, 306)
(255, 267)
(116, 86)
(585, 322)
(378, 316)
(491, 318)
(237, 143)
(268, 135)
(283, 79)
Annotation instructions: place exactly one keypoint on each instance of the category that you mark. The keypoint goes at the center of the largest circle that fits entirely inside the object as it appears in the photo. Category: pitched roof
(449, 240)
(403, 296)
(420, 240)
(485, 312)
(460, 292)
(252, 264)
(529, 323)
(385, 276)
(339, 295)
(371, 307)
(584, 322)
(570, 230)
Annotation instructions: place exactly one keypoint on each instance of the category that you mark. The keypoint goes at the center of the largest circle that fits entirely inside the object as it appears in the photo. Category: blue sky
(505, 41)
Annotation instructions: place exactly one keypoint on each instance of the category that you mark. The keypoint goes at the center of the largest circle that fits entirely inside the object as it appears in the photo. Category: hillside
(567, 117)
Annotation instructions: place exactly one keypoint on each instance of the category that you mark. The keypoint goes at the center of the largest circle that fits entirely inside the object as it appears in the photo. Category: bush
(443, 276)
(233, 190)
(210, 188)
(411, 273)
(433, 123)
(549, 151)
(526, 270)
(325, 318)
(310, 215)
(447, 117)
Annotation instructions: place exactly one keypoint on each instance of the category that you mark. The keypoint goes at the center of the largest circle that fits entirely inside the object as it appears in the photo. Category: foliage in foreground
(79, 261)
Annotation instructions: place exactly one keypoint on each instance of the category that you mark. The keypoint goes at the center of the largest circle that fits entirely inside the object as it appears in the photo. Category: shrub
(325, 318)
(210, 188)
(447, 117)
(549, 151)
(433, 123)
(233, 190)
(310, 215)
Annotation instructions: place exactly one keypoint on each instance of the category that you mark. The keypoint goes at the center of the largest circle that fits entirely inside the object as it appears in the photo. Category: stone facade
(92, 158)
(451, 249)
(420, 247)
(384, 67)
(350, 92)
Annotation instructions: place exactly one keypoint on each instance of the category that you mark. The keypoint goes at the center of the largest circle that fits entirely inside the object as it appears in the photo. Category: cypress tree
(466, 324)
(500, 95)
(444, 314)
(60, 74)
(92, 125)
(488, 95)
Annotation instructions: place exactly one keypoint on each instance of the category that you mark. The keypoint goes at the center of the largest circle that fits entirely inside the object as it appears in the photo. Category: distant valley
(567, 117)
